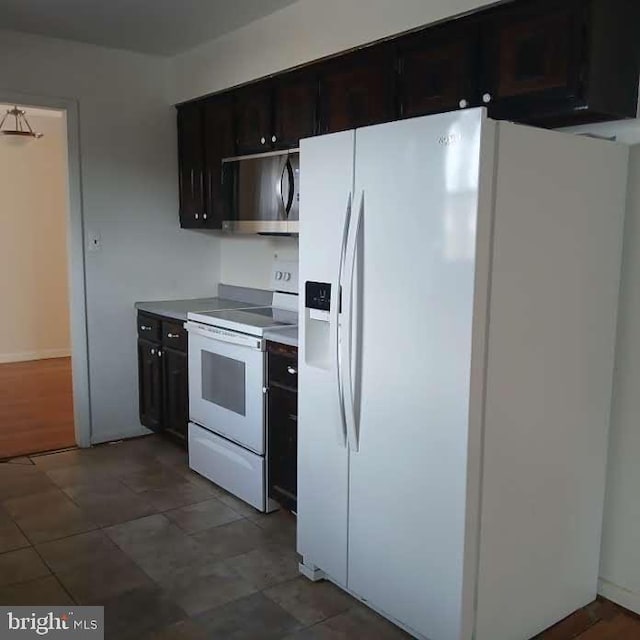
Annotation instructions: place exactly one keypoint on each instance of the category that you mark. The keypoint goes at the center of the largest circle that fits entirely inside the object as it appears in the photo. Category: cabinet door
(254, 118)
(283, 446)
(191, 165)
(175, 392)
(534, 53)
(358, 90)
(438, 69)
(150, 384)
(295, 107)
(219, 143)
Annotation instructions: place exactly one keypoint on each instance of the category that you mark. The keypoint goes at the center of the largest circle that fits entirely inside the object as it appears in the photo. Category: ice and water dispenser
(317, 316)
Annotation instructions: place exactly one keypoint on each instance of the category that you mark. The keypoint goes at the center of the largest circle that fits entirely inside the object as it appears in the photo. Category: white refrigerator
(459, 282)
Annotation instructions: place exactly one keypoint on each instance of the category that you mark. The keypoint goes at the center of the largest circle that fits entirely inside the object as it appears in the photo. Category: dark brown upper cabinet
(358, 89)
(254, 117)
(295, 107)
(556, 62)
(438, 69)
(191, 165)
(219, 142)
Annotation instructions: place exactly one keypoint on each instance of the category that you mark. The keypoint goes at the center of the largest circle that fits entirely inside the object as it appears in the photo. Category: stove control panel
(317, 296)
(284, 276)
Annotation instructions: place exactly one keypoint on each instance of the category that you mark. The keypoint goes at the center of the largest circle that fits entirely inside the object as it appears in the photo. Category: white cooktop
(253, 321)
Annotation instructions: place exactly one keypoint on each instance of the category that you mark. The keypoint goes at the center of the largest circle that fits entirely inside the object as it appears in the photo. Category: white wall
(246, 261)
(620, 562)
(33, 243)
(129, 197)
(300, 33)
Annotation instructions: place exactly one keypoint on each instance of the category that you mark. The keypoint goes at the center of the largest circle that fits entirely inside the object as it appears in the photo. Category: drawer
(283, 370)
(149, 327)
(174, 335)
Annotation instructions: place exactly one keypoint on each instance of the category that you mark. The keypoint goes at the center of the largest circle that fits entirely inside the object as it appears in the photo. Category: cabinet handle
(173, 335)
(262, 140)
(204, 216)
(153, 352)
(463, 104)
(144, 327)
(159, 353)
(486, 98)
(196, 215)
(273, 138)
(292, 370)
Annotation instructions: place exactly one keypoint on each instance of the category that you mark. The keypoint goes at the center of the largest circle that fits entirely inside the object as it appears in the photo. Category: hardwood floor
(36, 407)
(601, 620)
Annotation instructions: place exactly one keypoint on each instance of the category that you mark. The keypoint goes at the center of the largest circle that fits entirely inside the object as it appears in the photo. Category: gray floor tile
(202, 515)
(10, 535)
(21, 566)
(232, 539)
(176, 495)
(183, 630)
(252, 618)
(138, 612)
(156, 477)
(21, 480)
(48, 516)
(202, 588)
(92, 568)
(280, 526)
(43, 591)
(159, 547)
(239, 505)
(266, 566)
(310, 602)
(109, 503)
(356, 624)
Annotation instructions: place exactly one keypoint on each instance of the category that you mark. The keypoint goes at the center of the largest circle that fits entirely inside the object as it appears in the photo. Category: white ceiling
(163, 27)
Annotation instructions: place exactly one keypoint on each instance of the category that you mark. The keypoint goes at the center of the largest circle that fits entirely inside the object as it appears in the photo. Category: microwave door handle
(291, 183)
(284, 206)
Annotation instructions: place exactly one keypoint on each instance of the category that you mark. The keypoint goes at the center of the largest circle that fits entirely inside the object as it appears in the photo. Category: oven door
(226, 380)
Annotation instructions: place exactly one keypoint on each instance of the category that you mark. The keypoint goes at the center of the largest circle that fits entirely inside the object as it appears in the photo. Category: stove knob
(287, 276)
(278, 275)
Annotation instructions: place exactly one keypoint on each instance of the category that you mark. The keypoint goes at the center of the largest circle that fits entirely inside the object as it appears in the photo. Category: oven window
(223, 381)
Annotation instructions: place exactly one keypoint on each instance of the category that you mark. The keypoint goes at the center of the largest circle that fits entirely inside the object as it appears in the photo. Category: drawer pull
(292, 370)
(173, 335)
(144, 327)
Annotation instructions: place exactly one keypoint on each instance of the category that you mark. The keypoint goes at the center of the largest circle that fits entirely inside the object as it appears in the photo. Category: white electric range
(227, 439)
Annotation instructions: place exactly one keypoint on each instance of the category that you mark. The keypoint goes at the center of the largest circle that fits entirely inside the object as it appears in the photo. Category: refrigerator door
(416, 184)
(326, 172)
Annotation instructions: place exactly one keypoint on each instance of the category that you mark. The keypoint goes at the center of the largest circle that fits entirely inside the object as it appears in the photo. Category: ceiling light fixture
(21, 126)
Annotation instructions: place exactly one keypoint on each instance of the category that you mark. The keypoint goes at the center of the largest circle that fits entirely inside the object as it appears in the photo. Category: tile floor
(172, 556)
(169, 555)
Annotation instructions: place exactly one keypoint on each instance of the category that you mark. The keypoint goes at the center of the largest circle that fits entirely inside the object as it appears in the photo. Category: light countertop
(178, 309)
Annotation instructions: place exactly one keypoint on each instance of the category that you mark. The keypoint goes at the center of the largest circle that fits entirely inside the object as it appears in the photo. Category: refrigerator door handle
(346, 345)
(337, 311)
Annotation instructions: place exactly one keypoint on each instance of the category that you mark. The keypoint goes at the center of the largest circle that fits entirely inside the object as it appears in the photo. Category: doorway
(36, 385)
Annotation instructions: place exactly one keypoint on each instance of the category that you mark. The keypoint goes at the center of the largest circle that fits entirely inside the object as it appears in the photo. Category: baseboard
(624, 597)
(26, 356)
(120, 435)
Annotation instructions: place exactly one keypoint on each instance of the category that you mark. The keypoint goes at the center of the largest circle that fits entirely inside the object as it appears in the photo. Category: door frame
(75, 257)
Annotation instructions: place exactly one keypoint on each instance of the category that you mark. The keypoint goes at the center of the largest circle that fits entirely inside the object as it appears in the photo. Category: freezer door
(326, 182)
(416, 189)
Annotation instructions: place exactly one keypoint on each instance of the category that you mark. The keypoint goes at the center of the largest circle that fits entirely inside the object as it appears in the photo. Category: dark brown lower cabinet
(163, 375)
(176, 392)
(282, 424)
(150, 384)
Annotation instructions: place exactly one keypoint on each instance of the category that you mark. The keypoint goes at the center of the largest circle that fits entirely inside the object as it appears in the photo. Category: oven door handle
(237, 339)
